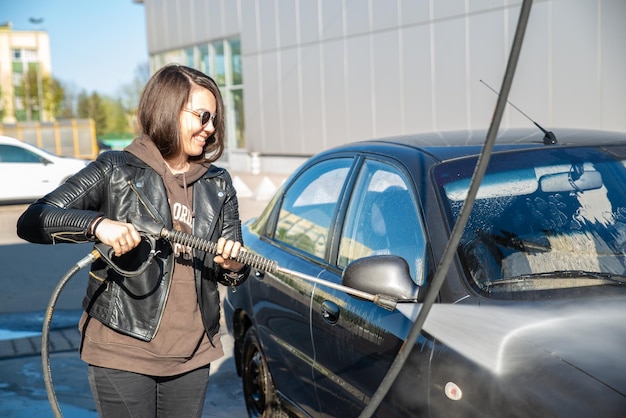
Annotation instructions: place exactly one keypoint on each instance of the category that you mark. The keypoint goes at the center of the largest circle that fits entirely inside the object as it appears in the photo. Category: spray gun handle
(244, 257)
(108, 255)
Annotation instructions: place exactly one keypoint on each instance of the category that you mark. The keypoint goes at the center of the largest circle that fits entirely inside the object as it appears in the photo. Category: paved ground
(29, 273)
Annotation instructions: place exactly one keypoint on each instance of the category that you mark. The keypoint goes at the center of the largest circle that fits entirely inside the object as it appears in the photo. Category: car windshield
(547, 218)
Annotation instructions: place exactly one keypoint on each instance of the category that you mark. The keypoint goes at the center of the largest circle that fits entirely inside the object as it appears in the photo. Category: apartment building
(21, 52)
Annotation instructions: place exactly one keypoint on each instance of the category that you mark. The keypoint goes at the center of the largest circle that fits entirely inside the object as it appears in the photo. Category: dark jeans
(121, 394)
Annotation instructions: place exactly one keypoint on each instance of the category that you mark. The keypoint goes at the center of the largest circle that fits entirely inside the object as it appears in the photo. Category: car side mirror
(387, 275)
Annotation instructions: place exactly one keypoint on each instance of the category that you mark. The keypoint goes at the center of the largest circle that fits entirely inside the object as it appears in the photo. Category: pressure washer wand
(244, 257)
(269, 266)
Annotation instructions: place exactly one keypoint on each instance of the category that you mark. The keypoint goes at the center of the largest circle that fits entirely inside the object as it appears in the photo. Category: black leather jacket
(122, 187)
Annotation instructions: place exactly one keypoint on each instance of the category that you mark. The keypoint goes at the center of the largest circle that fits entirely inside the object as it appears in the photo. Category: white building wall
(319, 73)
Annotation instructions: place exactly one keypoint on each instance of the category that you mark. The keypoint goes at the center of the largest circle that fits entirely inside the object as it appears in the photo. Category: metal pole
(38, 21)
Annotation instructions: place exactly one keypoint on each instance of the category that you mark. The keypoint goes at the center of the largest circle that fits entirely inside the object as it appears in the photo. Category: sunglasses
(205, 116)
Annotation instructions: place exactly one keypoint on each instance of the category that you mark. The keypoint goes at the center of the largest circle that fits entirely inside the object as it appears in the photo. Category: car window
(382, 219)
(309, 206)
(11, 154)
(543, 219)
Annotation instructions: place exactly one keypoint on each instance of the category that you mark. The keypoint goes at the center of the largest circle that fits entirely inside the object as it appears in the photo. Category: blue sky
(95, 45)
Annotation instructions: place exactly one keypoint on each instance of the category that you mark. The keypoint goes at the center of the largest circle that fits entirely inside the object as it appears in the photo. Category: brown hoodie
(180, 344)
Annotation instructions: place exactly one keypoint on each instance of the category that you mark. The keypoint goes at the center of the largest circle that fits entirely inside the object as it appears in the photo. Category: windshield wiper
(608, 278)
(512, 240)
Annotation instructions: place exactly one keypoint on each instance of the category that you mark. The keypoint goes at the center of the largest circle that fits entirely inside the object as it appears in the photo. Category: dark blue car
(530, 320)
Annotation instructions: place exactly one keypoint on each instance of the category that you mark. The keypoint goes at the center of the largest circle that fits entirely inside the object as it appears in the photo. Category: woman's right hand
(120, 236)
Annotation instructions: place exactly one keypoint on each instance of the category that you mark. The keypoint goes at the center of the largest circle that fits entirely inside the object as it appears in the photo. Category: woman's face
(193, 134)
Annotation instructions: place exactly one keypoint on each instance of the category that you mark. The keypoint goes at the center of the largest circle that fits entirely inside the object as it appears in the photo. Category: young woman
(149, 340)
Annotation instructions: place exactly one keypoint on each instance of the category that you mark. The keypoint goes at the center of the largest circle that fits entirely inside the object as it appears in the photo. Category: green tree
(2, 106)
(53, 96)
(92, 106)
(70, 101)
(117, 121)
(114, 117)
(130, 93)
(27, 93)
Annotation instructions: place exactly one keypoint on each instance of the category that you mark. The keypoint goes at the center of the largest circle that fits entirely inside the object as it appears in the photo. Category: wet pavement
(23, 393)
(28, 274)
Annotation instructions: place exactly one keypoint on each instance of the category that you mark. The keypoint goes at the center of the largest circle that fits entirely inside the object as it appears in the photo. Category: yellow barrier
(66, 137)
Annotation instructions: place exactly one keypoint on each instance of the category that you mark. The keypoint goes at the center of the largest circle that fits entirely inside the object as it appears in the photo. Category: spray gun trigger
(107, 254)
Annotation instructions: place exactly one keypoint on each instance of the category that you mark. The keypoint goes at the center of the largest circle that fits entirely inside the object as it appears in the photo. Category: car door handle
(330, 312)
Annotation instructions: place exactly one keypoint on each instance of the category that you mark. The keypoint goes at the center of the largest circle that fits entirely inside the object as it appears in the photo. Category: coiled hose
(106, 252)
(45, 331)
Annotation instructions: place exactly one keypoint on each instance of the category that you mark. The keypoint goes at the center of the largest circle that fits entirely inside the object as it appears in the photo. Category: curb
(60, 340)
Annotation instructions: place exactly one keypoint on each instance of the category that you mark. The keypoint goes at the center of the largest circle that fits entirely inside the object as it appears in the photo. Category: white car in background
(28, 173)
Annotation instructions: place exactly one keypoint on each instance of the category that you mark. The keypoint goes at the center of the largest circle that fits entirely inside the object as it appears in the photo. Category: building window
(189, 57)
(170, 57)
(233, 84)
(236, 100)
(204, 59)
(18, 78)
(219, 67)
(18, 68)
(30, 55)
(18, 103)
(235, 61)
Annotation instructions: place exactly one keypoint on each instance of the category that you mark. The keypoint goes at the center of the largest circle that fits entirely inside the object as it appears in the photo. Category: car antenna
(549, 137)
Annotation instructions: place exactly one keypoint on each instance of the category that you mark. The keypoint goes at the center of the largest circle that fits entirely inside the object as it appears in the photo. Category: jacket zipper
(155, 219)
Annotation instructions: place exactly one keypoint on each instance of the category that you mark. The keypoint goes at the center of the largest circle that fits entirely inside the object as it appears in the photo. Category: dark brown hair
(164, 97)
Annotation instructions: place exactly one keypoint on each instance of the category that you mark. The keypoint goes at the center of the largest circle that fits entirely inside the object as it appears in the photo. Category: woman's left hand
(227, 251)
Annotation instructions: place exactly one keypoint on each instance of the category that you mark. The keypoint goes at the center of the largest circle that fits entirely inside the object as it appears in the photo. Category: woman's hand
(121, 236)
(228, 250)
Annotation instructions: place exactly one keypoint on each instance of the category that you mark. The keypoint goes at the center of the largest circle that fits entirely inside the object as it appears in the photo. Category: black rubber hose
(457, 232)
(244, 257)
(45, 331)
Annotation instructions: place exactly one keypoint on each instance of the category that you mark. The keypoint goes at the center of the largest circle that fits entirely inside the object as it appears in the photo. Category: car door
(354, 340)
(29, 171)
(300, 239)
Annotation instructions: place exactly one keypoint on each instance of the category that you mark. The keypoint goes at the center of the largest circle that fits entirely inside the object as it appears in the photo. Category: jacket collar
(133, 160)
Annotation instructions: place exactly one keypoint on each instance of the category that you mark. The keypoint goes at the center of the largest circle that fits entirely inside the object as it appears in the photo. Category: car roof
(448, 145)
(9, 140)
